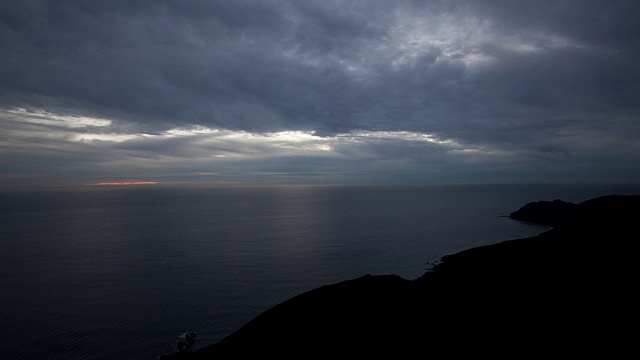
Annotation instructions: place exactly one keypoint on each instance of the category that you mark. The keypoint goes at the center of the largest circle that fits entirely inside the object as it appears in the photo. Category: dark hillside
(567, 292)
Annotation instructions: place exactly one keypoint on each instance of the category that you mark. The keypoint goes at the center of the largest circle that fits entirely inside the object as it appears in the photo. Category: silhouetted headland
(569, 291)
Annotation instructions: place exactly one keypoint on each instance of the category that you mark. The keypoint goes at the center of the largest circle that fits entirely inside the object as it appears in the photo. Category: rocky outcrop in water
(551, 213)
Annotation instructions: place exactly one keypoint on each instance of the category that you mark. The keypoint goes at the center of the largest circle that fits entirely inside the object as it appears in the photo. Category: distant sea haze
(117, 272)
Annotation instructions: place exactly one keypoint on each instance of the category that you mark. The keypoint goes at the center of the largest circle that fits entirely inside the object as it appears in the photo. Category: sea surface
(117, 272)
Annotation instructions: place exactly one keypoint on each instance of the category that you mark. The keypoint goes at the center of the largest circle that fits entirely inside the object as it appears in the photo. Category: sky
(319, 92)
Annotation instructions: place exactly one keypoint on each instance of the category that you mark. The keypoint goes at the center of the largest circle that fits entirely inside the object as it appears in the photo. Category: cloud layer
(319, 91)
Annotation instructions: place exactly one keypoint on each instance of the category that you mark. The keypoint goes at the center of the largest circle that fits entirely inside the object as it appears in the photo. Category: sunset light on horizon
(124, 183)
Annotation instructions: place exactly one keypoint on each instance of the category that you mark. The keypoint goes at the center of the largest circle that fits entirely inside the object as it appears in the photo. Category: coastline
(557, 291)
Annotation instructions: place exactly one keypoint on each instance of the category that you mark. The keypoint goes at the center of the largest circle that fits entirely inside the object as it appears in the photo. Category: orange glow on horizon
(122, 183)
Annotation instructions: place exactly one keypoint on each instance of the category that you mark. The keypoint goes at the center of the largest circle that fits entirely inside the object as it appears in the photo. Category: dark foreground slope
(569, 291)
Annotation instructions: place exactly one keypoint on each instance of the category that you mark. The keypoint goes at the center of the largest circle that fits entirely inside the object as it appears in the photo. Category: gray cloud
(513, 83)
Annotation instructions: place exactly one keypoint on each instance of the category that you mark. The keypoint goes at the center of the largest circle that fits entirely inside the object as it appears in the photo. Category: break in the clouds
(319, 91)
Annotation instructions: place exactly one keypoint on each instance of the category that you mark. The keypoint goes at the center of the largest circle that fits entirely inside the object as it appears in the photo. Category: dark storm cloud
(273, 65)
(503, 80)
(227, 64)
(608, 24)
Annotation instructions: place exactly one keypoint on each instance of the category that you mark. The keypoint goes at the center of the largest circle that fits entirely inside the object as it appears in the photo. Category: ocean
(117, 272)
